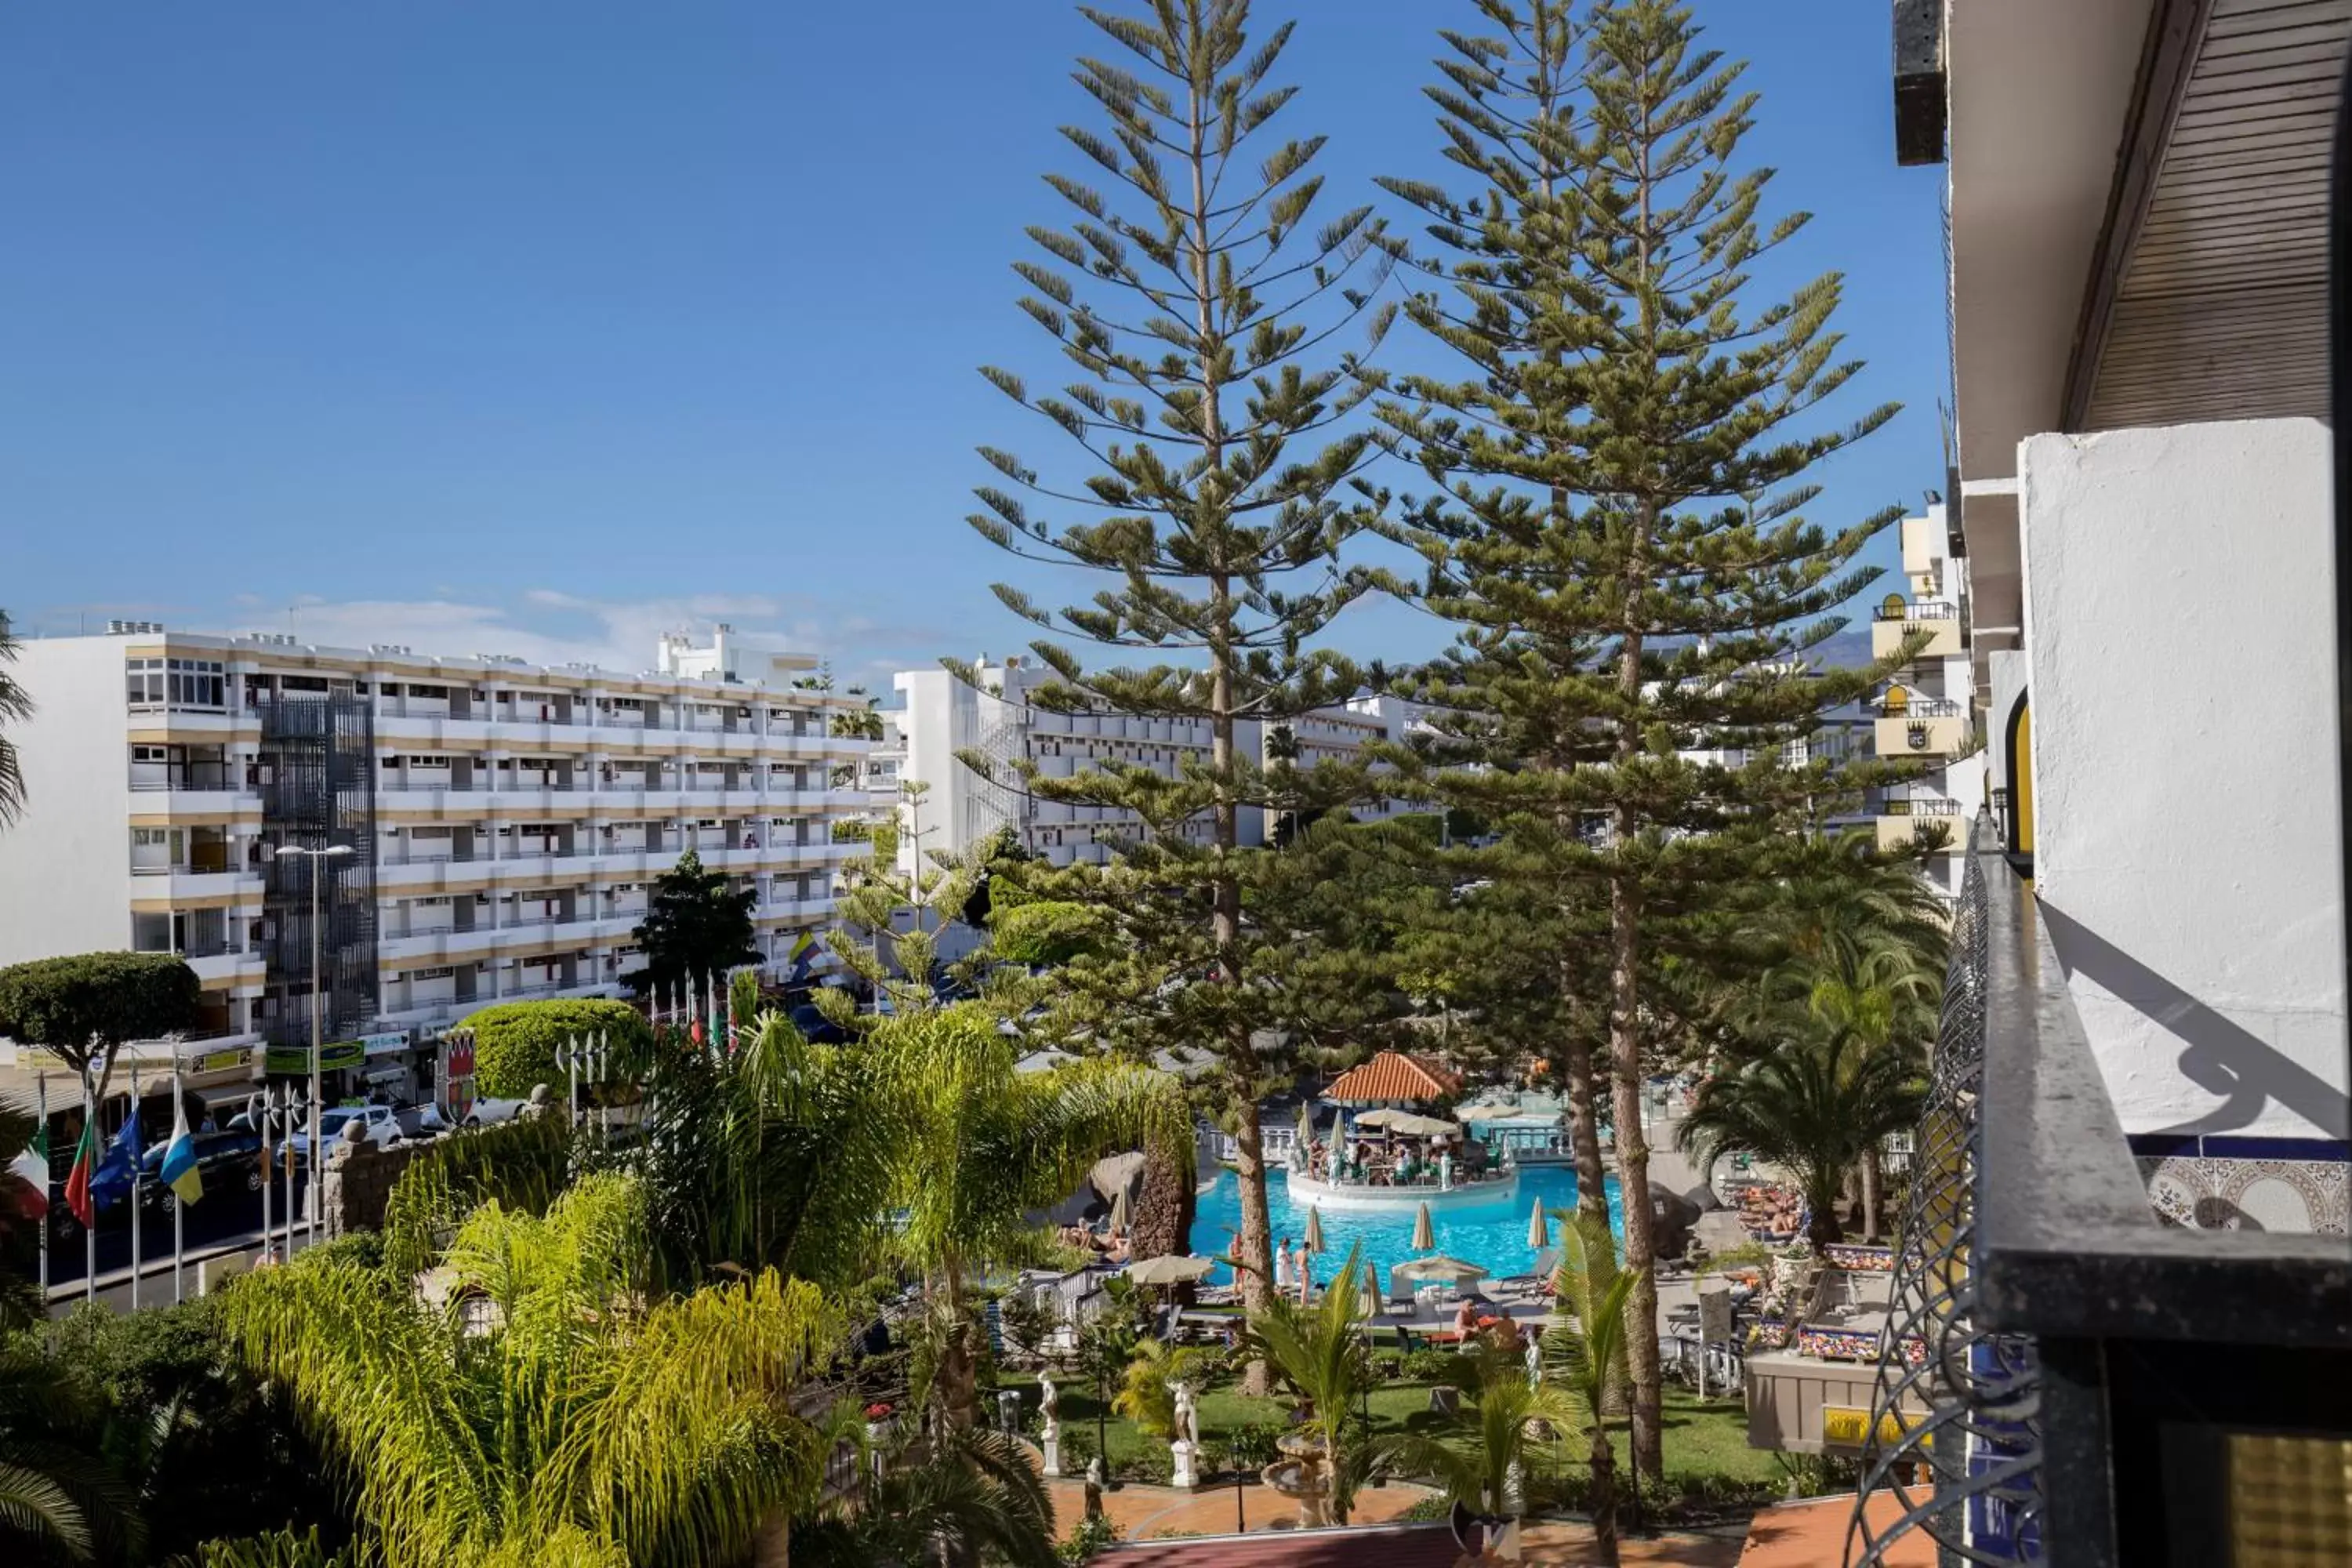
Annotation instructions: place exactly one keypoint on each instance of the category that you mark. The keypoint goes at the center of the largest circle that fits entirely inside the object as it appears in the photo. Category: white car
(380, 1127)
(486, 1112)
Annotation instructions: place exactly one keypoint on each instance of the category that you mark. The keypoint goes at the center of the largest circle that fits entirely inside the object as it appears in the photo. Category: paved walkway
(1143, 1511)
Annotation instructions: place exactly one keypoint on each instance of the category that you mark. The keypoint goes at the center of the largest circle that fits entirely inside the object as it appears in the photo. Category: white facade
(2139, 276)
(2196, 906)
(1925, 716)
(942, 716)
(519, 812)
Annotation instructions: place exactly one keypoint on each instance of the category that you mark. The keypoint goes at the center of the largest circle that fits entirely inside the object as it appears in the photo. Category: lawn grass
(1705, 1438)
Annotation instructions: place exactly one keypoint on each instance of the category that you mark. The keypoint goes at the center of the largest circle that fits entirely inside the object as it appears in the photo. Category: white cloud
(545, 626)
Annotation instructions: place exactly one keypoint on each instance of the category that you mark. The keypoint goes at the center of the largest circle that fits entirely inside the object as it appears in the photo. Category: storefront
(338, 1065)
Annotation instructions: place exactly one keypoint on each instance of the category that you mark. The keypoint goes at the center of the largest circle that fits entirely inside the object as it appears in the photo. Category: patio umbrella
(1454, 1270)
(1173, 1268)
(1539, 1232)
(1425, 1235)
(1381, 1118)
(1371, 1289)
(1315, 1230)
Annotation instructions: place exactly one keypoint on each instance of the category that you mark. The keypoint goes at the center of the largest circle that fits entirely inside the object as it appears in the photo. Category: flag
(85, 1162)
(32, 1168)
(110, 1183)
(179, 1170)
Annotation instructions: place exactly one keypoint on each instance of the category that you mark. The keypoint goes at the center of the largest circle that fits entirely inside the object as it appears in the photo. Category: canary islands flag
(179, 1170)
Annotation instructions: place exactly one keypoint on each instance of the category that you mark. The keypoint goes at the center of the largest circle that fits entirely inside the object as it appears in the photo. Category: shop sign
(295, 1060)
(384, 1045)
(221, 1061)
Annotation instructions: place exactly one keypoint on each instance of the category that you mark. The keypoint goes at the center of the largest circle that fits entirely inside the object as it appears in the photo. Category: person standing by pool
(1282, 1264)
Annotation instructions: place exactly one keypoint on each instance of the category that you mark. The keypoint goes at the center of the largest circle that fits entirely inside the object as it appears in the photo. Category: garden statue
(1188, 1412)
(1445, 1172)
(1535, 1360)
(1095, 1487)
(1186, 1448)
(1049, 1405)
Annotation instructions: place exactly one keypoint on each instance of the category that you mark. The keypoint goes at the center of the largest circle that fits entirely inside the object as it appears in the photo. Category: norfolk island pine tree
(1615, 524)
(1199, 312)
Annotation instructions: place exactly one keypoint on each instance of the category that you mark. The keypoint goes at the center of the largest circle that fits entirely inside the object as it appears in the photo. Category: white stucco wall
(2180, 633)
(65, 867)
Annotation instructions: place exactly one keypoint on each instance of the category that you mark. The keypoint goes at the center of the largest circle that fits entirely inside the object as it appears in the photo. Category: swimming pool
(1492, 1235)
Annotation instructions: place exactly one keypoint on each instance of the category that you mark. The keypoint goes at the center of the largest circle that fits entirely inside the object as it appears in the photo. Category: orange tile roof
(1392, 1075)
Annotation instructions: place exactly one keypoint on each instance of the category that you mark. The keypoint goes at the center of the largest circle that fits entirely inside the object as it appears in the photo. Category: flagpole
(179, 1241)
(90, 1231)
(269, 1182)
(131, 1120)
(41, 1136)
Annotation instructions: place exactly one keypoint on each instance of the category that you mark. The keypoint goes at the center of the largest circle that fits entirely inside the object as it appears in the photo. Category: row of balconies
(552, 733)
(443, 801)
(1903, 822)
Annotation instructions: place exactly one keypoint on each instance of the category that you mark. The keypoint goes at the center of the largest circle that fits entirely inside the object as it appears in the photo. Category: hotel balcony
(1899, 620)
(2102, 1379)
(1902, 822)
(1921, 727)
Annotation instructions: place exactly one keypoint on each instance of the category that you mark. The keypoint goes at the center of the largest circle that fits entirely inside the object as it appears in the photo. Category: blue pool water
(1492, 1235)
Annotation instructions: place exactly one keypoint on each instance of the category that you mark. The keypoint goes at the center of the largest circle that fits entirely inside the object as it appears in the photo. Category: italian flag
(84, 1165)
(32, 1168)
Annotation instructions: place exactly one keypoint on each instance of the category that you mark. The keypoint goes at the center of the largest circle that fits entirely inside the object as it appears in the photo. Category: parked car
(486, 1112)
(420, 1121)
(382, 1127)
(226, 1162)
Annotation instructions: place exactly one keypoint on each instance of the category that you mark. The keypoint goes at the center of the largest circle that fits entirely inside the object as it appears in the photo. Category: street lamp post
(315, 1192)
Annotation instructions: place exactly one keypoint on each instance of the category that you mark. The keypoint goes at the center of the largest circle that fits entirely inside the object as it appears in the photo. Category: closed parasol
(1314, 1231)
(1429, 1270)
(1539, 1232)
(1174, 1268)
(1118, 1220)
(1424, 1234)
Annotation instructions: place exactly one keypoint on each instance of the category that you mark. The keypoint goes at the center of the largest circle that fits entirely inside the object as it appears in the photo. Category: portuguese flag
(84, 1165)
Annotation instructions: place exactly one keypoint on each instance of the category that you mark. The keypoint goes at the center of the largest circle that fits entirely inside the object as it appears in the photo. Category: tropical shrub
(515, 1043)
(1146, 1394)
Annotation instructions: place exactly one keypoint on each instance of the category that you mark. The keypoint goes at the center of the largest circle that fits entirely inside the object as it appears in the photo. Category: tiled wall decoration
(2206, 1193)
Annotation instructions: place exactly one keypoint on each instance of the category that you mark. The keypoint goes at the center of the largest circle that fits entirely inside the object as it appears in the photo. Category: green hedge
(515, 1042)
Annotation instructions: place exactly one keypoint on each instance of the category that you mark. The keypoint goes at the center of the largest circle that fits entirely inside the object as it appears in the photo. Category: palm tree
(15, 707)
(1481, 1453)
(978, 1148)
(550, 1413)
(777, 1156)
(1584, 1354)
(57, 1499)
(1318, 1349)
(1813, 1106)
(963, 1494)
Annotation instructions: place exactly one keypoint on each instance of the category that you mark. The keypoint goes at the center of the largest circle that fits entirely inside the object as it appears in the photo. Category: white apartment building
(941, 716)
(1925, 716)
(505, 819)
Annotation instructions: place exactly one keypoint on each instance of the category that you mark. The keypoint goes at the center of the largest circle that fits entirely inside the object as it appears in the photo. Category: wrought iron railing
(1969, 1467)
(2100, 1387)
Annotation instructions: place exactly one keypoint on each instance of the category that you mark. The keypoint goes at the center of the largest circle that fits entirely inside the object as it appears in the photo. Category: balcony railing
(1918, 707)
(2090, 1373)
(1914, 806)
(1917, 610)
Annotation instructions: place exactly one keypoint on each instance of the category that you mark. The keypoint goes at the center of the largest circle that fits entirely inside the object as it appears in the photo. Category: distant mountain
(1848, 649)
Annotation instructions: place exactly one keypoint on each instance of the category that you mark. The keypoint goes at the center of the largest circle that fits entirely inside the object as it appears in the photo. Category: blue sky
(537, 329)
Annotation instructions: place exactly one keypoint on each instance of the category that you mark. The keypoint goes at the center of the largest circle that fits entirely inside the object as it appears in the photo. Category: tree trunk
(1822, 1226)
(1256, 1252)
(1871, 1196)
(957, 1378)
(1584, 1130)
(1163, 1210)
(1604, 1499)
(1634, 1163)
